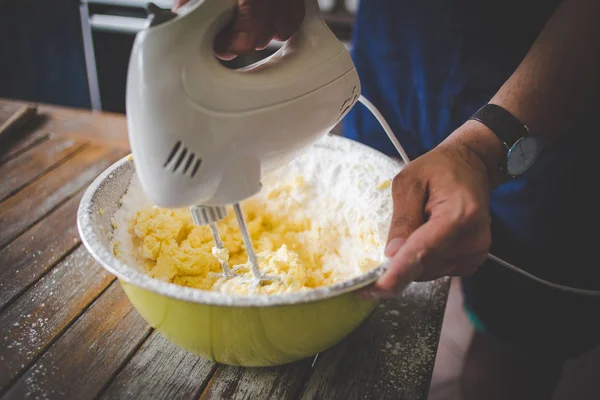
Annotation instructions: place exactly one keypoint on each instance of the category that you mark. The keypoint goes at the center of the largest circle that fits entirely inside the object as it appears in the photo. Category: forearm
(556, 82)
(560, 75)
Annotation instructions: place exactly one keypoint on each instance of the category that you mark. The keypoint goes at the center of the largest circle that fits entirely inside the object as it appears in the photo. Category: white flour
(342, 194)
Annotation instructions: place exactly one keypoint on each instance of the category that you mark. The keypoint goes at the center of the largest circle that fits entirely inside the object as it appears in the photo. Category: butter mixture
(308, 230)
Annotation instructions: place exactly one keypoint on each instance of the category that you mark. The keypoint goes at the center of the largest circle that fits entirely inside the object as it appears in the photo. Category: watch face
(522, 155)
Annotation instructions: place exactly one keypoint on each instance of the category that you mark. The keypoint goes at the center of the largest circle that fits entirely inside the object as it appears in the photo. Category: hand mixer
(202, 134)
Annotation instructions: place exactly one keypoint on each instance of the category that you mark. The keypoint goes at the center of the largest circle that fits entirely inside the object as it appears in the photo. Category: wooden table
(68, 331)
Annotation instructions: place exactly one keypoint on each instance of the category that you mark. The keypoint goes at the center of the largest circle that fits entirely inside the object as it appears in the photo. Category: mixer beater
(210, 215)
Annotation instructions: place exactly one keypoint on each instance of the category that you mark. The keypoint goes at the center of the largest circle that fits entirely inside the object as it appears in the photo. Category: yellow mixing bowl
(251, 336)
(241, 330)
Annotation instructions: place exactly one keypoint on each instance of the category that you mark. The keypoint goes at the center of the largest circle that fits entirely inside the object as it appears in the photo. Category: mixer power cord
(405, 158)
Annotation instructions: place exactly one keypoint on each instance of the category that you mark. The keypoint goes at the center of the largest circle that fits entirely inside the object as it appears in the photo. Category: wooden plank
(161, 370)
(109, 129)
(23, 143)
(391, 356)
(19, 171)
(81, 362)
(17, 123)
(22, 210)
(13, 117)
(103, 127)
(26, 259)
(233, 383)
(34, 320)
(8, 109)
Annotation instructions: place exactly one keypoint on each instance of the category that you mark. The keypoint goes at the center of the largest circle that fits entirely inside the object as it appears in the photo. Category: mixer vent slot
(173, 152)
(182, 160)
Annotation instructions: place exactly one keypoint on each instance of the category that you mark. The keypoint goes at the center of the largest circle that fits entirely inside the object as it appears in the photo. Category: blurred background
(75, 52)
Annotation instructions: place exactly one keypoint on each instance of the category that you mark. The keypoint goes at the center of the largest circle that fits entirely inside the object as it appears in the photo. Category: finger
(419, 258)
(266, 34)
(221, 43)
(265, 26)
(288, 19)
(465, 256)
(457, 267)
(250, 26)
(409, 261)
(179, 3)
(409, 198)
(256, 23)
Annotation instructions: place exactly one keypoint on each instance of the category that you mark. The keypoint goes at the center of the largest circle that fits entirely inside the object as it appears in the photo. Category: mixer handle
(226, 12)
(299, 67)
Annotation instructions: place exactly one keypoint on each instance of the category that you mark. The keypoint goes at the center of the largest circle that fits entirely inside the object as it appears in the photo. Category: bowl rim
(129, 274)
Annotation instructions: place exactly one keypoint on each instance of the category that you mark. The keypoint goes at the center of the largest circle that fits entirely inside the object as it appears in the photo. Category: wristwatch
(523, 147)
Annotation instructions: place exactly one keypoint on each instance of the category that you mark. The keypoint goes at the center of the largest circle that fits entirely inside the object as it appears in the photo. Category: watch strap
(504, 125)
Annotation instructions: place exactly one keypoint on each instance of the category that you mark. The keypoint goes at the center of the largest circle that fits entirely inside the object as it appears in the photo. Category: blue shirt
(428, 66)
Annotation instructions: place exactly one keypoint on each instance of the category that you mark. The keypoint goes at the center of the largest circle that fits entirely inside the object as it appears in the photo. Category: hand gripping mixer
(202, 134)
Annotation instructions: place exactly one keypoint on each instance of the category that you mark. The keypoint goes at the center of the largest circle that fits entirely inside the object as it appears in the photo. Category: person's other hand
(256, 23)
(441, 218)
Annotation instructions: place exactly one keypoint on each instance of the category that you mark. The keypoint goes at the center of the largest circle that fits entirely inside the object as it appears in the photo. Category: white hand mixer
(202, 134)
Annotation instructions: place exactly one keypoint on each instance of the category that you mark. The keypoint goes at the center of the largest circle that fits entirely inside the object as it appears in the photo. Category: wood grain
(101, 127)
(29, 165)
(391, 356)
(89, 354)
(8, 108)
(275, 383)
(16, 126)
(161, 370)
(13, 117)
(108, 129)
(22, 144)
(32, 322)
(33, 253)
(22, 210)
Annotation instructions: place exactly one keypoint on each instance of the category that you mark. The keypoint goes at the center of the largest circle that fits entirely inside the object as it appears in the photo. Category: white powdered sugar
(341, 186)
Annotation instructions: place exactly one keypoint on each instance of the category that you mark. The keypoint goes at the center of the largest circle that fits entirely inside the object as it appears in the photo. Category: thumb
(409, 198)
